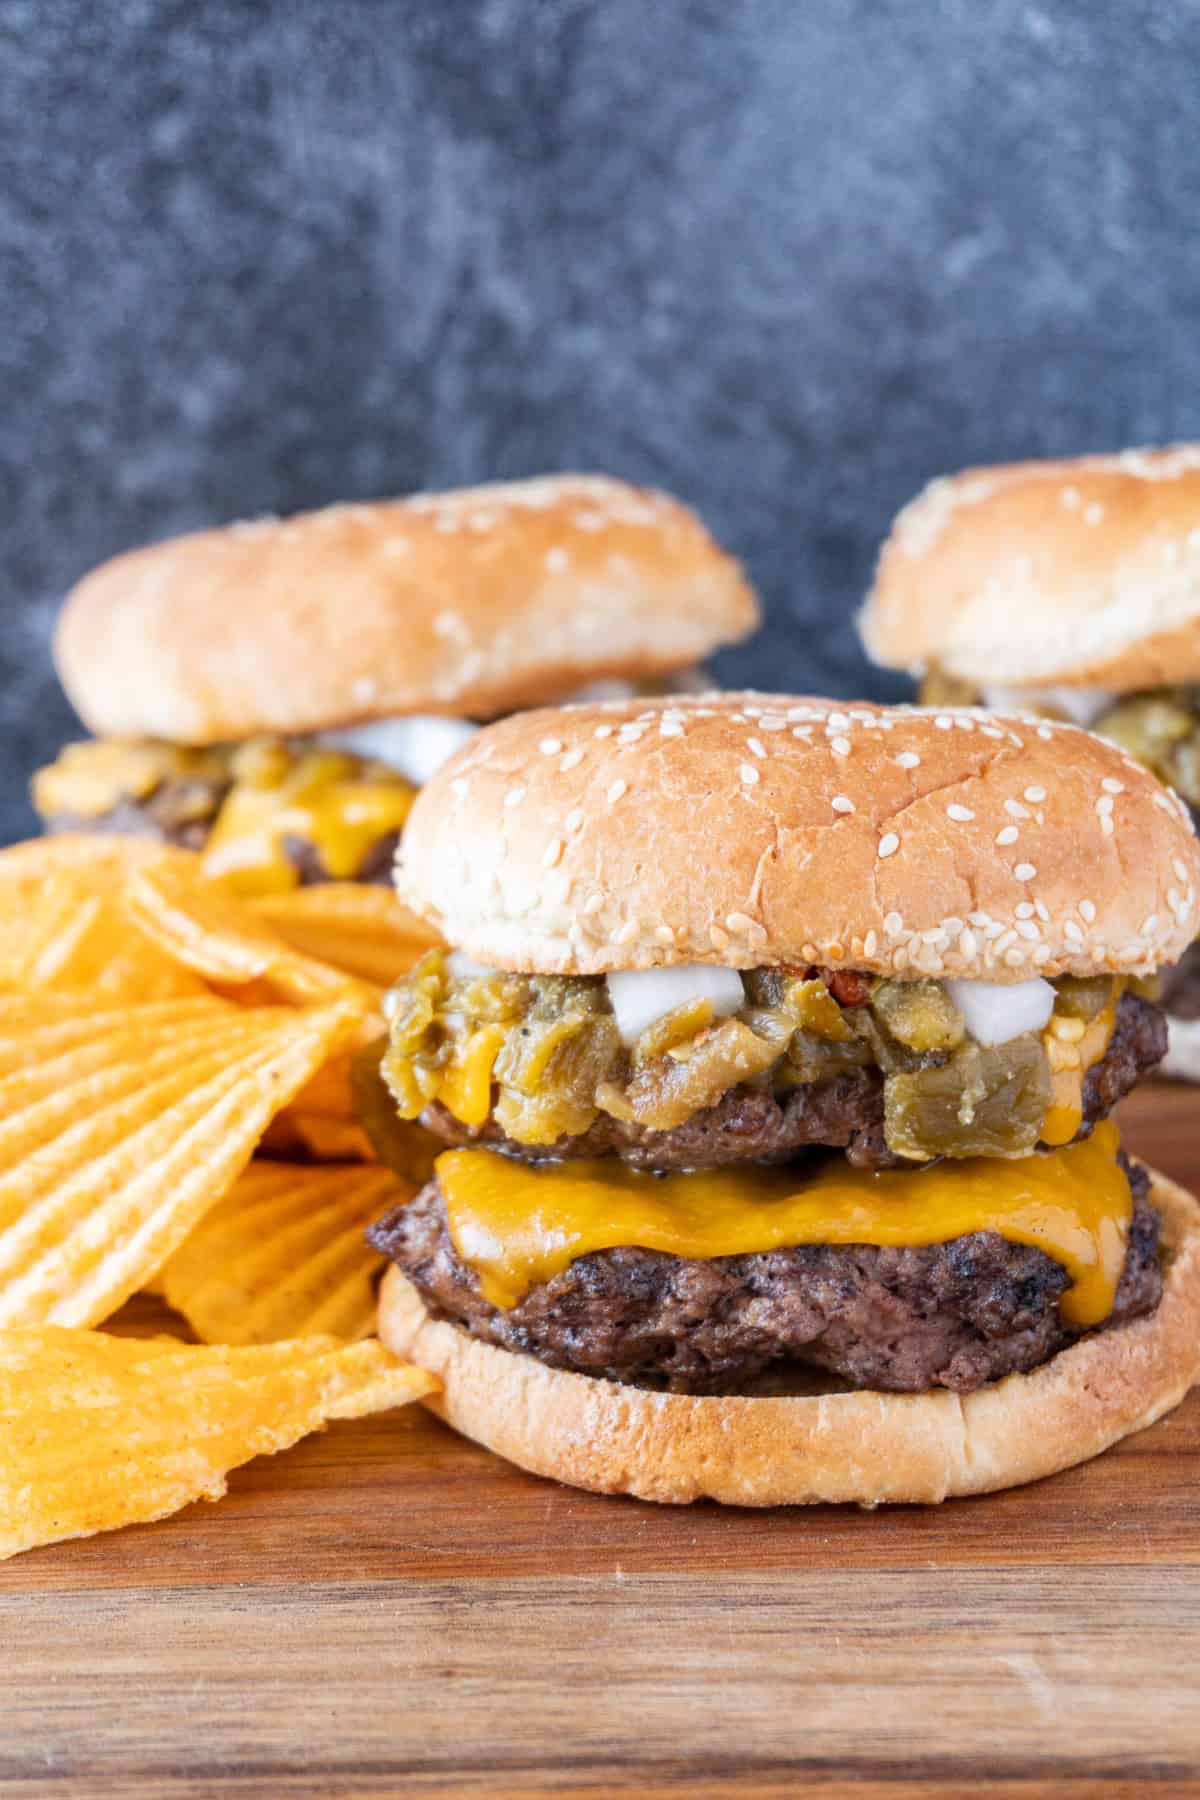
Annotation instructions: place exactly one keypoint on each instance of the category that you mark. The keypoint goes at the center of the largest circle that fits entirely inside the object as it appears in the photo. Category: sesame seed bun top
(467, 603)
(754, 829)
(1082, 573)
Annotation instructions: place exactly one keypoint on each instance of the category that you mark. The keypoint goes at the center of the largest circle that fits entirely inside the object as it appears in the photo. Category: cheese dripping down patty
(517, 1226)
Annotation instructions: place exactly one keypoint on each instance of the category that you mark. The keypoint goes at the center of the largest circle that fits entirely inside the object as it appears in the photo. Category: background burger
(778, 1045)
(274, 693)
(1069, 589)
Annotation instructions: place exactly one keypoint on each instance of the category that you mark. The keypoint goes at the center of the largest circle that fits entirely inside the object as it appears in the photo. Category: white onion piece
(1080, 704)
(462, 966)
(641, 996)
(995, 1012)
(417, 747)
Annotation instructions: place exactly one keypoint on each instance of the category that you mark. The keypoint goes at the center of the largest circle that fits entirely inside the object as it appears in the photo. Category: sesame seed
(574, 819)
(991, 731)
(756, 747)
(840, 746)
(1093, 514)
(1045, 733)
(739, 921)
(1104, 804)
(1035, 794)
(603, 731)
(663, 934)
(615, 792)
(593, 903)
(870, 944)
(1009, 835)
(1149, 924)
(1024, 871)
(1180, 868)
(908, 759)
(626, 933)
(1041, 953)
(889, 843)
(550, 746)
(967, 943)
(803, 732)
(1087, 911)
(552, 852)
(960, 814)
(718, 938)
(1015, 810)
(1024, 909)
(841, 803)
(670, 728)
(944, 722)
(748, 773)
(893, 924)
(1073, 932)
(514, 796)
(459, 785)
(557, 560)
(570, 761)
(1106, 825)
(1027, 928)
(1111, 785)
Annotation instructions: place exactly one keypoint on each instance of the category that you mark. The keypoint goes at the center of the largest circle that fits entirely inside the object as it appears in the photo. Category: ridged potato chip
(98, 1432)
(108, 857)
(120, 1129)
(365, 930)
(283, 1255)
(322, 1138)
(72, 932)
(220, 938)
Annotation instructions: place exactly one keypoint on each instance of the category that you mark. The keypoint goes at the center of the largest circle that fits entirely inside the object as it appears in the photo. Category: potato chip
(73, 934)
(107, 856)
(119, 1129)
(99, 1431)
(283, 1255)
(219, 938)
(365, 930)
(328, 1140)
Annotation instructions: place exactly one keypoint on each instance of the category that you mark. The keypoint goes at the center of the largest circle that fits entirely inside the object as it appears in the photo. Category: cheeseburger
(1069, 590)
(774, 1060)
(274, 694)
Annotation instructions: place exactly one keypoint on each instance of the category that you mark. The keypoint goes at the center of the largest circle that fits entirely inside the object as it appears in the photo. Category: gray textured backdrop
(787, 257)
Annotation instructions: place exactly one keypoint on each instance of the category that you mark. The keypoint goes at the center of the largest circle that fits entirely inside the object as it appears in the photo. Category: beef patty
(952, 1315)
(750, 1124)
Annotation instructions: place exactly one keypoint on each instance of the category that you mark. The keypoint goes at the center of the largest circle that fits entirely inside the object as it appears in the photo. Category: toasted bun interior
(753, 829)
(1077, 573)
(467, 603)
(794, 1449)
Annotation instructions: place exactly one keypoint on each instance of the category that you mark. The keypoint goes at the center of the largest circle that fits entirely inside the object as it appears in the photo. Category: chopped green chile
(547, 1049)
(982, 1102)
(1162, 730)
(400, 1144)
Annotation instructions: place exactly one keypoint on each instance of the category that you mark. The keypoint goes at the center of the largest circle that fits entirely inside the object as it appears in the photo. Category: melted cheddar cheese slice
(518, 1226)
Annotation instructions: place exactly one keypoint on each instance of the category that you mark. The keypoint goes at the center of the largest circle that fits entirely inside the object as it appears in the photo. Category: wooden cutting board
(387, 1608)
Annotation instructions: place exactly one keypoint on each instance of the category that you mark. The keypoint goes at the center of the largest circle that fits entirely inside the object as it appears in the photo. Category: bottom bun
(793, 1448)
(1182, 1061)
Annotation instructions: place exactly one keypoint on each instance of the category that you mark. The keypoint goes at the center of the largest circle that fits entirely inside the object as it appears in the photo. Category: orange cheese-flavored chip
(365, 930)
(218, 937)
(99, 1431)
(120, 1129)
(283, 1254)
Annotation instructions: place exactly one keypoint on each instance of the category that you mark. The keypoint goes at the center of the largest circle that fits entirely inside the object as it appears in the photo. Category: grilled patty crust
(952, 1315)
(751, 1124)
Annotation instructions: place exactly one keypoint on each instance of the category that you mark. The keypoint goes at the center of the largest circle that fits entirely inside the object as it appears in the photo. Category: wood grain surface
(389, 1609)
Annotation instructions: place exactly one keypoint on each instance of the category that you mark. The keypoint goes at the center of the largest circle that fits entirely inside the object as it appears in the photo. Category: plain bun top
(753, 829)
(467, 603)
(1083, 573)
